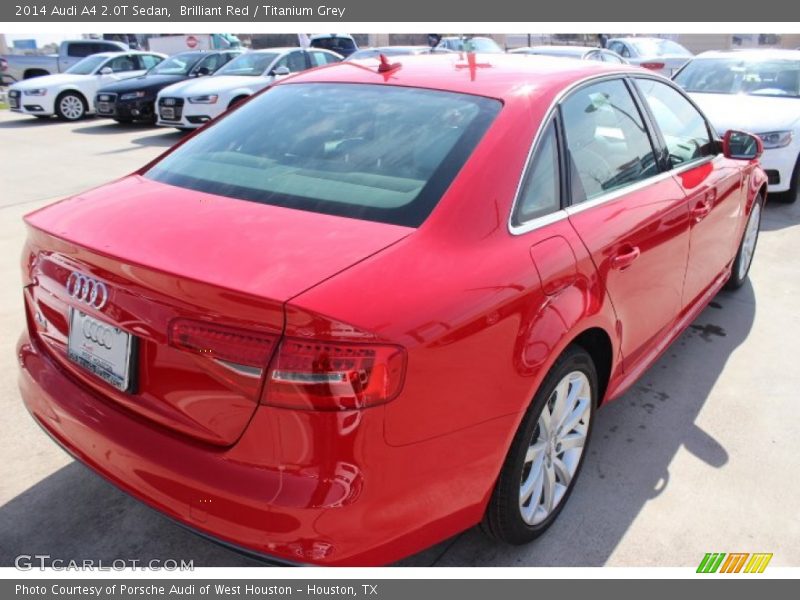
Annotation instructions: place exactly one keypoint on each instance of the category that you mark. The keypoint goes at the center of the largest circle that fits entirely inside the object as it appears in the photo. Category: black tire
(503, 519)
(794, 189)
(71, 116)
(738, 278)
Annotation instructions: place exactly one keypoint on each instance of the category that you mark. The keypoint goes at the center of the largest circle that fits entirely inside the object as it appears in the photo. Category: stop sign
(191, 41)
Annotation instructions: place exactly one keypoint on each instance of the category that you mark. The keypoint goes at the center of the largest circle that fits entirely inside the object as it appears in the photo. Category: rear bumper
(298, 487)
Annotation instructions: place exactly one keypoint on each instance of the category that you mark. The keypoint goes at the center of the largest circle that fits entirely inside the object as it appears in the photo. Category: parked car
(70, 95)
(484, 45)
(134, 99)
(758, 91)
(657, 54)
(365, 310)
(342, 44)
(191, 104)
(388, 51)
(578, 52)
(21, 66)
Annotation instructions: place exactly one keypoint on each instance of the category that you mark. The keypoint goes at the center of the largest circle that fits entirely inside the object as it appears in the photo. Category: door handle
(625, 259)
(701, 209)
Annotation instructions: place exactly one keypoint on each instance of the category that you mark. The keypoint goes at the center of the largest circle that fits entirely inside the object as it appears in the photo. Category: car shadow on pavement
(74, 514)
(635, 439)
(160, 137)
(31, 122)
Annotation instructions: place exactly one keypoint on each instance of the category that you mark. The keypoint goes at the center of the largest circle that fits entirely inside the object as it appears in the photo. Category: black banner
(353, 11)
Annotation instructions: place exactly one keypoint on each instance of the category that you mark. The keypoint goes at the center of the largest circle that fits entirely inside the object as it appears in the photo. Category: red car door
(712, 183)
(633, 219)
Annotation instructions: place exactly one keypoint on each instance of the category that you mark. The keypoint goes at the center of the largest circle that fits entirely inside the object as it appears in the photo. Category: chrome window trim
(563, 213)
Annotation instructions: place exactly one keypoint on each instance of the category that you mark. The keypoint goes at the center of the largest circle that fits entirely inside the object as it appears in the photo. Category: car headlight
(132, 95)
(208, 99)
(35, 92)
(776, 139)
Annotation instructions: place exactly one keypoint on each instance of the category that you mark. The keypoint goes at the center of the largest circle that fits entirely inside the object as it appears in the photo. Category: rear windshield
(335, 44)
(372, 152)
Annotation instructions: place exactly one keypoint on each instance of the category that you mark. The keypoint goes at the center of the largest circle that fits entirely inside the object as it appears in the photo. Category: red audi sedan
(376, 305)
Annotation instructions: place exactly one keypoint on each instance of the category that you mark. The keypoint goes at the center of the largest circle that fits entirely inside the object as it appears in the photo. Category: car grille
(170, 109)
(13, 98)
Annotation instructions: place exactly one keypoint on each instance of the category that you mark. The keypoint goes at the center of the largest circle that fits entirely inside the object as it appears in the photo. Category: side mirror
(281, 71)
(202, 71)
(106, 71)
(741, 145)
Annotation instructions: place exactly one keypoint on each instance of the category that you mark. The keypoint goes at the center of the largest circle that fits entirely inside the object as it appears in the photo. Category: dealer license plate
(102, 349)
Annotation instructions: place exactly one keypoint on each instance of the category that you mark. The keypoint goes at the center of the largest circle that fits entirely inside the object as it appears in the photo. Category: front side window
(180, 64)
(86, 66)
(379, 153)
(294, 61)
(212, 62)
(540, 193)
(608, 144)
(121, 64)
(684, 129)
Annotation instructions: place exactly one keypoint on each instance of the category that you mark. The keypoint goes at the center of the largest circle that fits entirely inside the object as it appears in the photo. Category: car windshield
(378, 153)
(252, 64)
(658, 48)
(87, 65)
(741, 76)
(179, 64)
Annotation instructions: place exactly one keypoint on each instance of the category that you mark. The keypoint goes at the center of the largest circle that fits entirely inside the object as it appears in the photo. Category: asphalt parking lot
(702, 456)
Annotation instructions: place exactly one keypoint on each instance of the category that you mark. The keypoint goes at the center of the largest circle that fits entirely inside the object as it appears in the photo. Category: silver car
(657, 54)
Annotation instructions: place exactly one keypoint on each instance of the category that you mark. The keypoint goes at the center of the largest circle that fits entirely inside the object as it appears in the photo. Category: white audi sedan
(70, 95)
(657, 54)
(757, 91)
(192, 103)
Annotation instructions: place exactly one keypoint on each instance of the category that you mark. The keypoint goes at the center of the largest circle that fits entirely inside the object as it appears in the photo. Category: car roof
(640, 38)
(752, 53)
(502, 76)
(126, 52)
(576, 50)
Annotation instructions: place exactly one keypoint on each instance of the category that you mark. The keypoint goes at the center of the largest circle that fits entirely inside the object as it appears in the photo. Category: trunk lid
(166, 253)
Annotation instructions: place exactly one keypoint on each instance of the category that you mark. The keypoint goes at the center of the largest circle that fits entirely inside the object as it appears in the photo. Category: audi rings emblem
(98, 333)
(87, 290)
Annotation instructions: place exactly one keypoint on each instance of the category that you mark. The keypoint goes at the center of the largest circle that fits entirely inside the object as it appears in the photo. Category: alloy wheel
(555, 450)
(71, 107)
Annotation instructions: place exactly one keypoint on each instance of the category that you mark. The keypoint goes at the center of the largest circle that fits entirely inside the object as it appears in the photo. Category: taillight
(221, 342)
(655, 66)
(317, 375)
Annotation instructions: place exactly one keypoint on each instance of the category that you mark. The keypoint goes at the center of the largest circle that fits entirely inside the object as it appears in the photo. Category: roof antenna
(385, 65)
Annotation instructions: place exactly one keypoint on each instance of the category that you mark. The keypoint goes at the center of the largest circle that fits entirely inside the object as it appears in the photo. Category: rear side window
(540, 193)
(148, 61)
(608, 144)
(379, 153)
(684, 129)
(81, 49)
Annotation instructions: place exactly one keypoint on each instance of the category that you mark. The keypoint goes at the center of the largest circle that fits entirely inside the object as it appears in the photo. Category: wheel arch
(73, 90)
